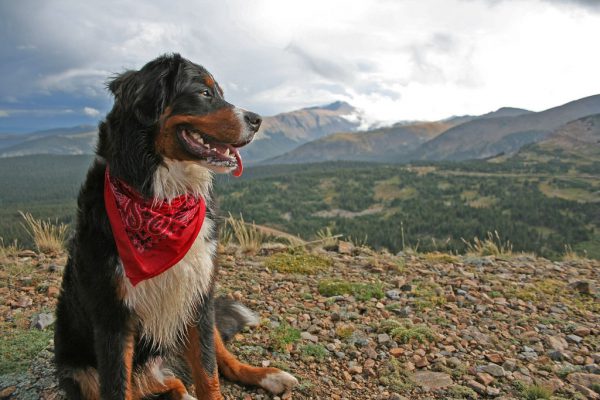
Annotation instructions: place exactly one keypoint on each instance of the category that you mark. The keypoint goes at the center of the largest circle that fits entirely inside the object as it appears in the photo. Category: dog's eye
(206, 93)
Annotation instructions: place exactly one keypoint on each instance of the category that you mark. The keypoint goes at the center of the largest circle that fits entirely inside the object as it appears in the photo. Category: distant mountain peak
(335, 106)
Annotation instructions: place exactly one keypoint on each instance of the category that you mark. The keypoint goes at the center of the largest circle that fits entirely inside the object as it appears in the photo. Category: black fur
(93, 323)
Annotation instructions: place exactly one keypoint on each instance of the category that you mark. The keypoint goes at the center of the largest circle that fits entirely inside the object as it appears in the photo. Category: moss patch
(298, 263)
(19, 346)
(406, 333)
(362, 291)
(283, 336)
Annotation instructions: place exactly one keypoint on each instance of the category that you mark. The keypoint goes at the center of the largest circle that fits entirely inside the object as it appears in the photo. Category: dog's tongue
(240, 167)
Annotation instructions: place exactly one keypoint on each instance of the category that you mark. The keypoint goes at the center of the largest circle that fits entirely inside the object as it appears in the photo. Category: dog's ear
(124, 87)
(148, 91)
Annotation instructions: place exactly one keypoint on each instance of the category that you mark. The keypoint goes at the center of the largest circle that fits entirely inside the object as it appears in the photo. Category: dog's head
(172, 110)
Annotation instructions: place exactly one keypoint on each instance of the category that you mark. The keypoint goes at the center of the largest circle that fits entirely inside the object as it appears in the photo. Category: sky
(393, 59)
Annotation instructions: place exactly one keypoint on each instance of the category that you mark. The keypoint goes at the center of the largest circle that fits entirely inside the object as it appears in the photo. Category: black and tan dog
(121, 327)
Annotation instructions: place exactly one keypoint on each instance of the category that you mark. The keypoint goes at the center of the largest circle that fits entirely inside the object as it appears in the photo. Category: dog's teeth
(226, 152)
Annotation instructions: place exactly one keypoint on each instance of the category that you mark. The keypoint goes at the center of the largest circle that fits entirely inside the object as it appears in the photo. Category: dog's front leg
(200, 354)
(114, 351)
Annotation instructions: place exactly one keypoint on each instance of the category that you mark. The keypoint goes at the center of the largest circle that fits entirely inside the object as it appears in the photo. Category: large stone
(494, 370)
(42, 321)
(429, 380)
(556, 343)
(345, 247)
(584, 379)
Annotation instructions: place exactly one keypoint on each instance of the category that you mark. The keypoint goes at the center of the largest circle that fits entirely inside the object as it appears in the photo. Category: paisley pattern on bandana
(151, 235)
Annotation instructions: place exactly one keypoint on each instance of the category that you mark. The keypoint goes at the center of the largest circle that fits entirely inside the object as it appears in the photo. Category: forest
(539, 208)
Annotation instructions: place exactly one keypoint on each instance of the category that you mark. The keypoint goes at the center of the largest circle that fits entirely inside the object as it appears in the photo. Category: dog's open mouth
(208, 149)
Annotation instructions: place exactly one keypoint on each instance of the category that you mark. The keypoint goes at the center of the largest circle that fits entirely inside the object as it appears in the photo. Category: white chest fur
(167, 303)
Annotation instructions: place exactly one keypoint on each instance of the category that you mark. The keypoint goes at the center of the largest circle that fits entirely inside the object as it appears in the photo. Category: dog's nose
(253, 120)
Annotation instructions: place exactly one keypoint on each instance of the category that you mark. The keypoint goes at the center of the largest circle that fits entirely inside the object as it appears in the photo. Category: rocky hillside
(482, 138)
(75, 140)
(391, 144)
(351, 323)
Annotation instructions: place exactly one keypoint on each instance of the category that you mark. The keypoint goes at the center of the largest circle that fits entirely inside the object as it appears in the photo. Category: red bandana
(150, 237)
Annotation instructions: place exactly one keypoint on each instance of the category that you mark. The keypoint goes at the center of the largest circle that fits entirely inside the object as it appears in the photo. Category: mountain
(278, 134)
(74, 140)
(383, 144)
(486, 137)
(580, 135)
(283, 132)
(391, 144)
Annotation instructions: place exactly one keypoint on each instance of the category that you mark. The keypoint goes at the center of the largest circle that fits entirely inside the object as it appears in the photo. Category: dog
(137, 300)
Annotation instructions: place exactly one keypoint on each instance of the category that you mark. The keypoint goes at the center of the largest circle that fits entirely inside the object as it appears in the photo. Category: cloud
(91, 112)
(409, 59)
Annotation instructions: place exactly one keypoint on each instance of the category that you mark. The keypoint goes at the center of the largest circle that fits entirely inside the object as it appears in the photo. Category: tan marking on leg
(89, 383)
(128, 362)
(272, 379)
(207, 386)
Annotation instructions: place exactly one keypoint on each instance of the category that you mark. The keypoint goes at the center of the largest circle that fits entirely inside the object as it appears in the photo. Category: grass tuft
(314, 350)
(48, 237)
(405, 333)
(491, 246)
(8, 250)
(298, 262)
(536, 392)
(327, 238)
(284, 336)
(362, 291)
(248, 236)
(571, 255)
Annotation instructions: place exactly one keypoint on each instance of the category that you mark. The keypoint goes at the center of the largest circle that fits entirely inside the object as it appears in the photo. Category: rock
(393, 294)
(402, 312)
(589, 393)
(556, 343)
(406, 287)
(397, 352)
(7, 392)
(345, 247)
(584, 287)
(27, 253)
(24, 302)
(272, 248)
(494, 370)
(476, 386)
(355, 369)
(53, 291)
(485, 378)
(574, 338)
(583, 379)
(420, 361)
(383, 338)
(582, 331)
(494, 357)
(557, 355)
(42, 321)
(429, 380)
(309, 336)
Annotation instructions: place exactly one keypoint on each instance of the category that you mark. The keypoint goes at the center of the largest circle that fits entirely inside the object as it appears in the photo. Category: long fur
(114, 340)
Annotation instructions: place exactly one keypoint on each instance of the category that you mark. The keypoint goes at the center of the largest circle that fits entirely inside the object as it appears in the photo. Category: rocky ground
(351, 323)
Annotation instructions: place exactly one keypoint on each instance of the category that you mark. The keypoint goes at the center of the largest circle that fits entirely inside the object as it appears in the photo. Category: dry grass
(491, 246)
(248, 236)
(572, 255)
(327, 238)
(8, 250)
(48, 237)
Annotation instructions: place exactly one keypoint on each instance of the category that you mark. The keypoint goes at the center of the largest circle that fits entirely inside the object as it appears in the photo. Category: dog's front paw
(188, 397)
(278, 382)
